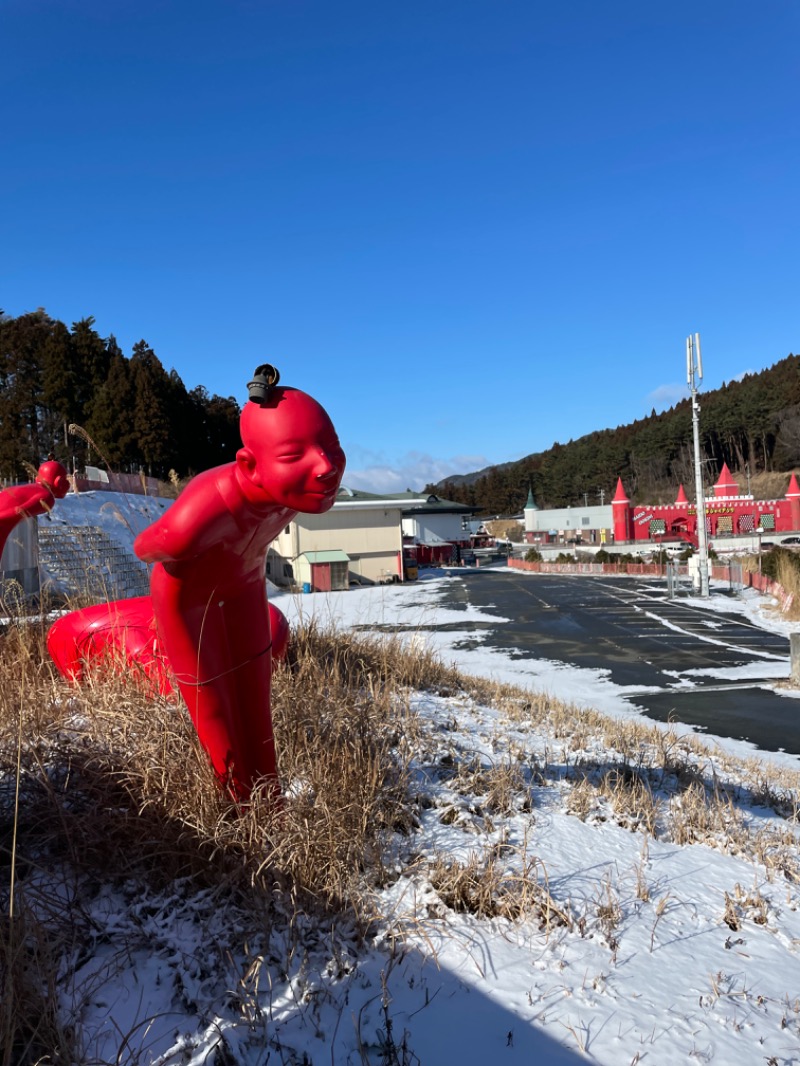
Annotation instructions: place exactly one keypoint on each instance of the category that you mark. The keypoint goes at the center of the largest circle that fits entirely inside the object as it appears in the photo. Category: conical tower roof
(619, 495)
(531, 504)
(726, 486)
(794, 488)
(681, 497)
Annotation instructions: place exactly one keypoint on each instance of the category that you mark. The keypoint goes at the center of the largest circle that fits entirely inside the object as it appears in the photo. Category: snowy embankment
(121, 515)
(620, 929)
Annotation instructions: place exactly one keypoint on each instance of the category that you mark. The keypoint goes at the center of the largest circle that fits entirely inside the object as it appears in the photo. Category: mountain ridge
(752, 424)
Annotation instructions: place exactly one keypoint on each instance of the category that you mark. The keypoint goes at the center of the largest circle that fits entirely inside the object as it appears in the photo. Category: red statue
(26, 501)
(208, 587)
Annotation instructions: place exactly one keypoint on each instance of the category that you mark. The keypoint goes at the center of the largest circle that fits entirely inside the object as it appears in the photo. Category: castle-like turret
(726, 486)
(622, 514)
(530, 512)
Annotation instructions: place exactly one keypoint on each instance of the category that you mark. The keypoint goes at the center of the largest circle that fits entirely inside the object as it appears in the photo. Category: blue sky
(470, 228)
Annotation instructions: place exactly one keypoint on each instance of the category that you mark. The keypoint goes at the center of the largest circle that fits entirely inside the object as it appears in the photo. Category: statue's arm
(196, 522)
(29, 500)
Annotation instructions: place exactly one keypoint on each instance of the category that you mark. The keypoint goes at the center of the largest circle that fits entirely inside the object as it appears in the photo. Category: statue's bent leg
(117, 637)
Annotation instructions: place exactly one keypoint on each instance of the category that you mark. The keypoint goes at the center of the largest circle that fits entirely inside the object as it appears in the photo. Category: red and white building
(728, 513)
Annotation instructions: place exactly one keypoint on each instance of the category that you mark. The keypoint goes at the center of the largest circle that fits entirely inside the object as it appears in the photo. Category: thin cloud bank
(373, 472)
(667, 396)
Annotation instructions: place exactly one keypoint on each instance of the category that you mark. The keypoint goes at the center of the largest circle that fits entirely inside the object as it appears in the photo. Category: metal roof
(409, 502)
(335, 555)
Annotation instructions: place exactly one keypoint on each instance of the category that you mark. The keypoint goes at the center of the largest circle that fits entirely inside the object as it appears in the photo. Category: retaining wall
(653, 569)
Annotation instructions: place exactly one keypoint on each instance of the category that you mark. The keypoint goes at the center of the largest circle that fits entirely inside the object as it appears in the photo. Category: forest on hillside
(137, 415)
(752, 424)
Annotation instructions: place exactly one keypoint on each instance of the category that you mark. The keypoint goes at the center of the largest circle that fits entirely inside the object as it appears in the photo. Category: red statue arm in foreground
(208, 588)
(25, 501)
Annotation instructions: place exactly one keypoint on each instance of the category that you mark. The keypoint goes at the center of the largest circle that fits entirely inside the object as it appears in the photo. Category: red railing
(730, 574)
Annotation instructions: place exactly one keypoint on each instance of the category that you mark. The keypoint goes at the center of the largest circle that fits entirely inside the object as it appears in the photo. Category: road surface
(699, 659)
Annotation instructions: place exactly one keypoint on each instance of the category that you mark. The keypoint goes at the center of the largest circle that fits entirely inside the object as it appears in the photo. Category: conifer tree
(91, 360)
(21, 342)
(59, 390)
(153, 390)
(111, 425)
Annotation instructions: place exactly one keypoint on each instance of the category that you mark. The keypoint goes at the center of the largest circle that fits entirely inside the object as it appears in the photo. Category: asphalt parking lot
(630, 628)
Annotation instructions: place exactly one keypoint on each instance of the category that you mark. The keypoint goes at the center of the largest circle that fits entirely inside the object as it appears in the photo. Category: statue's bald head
(54, 477)
(291, 452)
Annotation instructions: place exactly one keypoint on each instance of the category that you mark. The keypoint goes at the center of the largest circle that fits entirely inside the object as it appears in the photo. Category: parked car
(790, 540)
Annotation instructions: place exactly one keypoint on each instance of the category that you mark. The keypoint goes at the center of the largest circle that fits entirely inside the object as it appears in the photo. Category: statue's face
(55, 477)
(291, 452)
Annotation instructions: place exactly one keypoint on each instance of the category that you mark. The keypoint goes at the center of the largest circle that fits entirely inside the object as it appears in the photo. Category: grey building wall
(569, 519)
(20, 558)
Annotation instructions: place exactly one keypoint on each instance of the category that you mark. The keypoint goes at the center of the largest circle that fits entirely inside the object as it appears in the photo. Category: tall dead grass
(114, 785)
(788, 577)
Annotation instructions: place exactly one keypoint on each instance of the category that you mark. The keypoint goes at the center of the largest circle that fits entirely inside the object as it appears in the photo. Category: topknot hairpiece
(265, 378)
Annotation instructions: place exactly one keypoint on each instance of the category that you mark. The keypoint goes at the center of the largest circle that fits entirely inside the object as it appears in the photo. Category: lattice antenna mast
(694, 374)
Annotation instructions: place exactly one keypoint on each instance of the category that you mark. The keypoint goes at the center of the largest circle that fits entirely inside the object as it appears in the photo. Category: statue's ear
(246, 462)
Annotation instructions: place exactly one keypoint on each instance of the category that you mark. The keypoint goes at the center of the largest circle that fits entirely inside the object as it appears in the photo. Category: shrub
(533, 555)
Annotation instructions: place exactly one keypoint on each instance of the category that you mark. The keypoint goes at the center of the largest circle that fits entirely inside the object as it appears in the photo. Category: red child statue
(25, 501)
(208, 586)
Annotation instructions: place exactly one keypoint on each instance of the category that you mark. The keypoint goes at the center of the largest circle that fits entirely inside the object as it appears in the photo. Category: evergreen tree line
(752, 424)
(139, 416)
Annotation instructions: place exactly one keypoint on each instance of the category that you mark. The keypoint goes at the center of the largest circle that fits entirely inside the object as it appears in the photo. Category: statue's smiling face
(291, 452)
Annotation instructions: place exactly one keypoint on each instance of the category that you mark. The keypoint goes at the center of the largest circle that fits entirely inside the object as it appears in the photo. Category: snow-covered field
(654, 952)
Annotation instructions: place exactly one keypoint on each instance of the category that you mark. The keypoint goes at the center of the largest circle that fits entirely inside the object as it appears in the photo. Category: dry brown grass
(788, 577)
(115, 785)
(486, 886)
(30, 1029)
(767, 485)
(658, 780)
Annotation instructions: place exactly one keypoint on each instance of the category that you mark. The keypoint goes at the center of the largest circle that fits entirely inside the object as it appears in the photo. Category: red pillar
(793, 496)
(622, 514)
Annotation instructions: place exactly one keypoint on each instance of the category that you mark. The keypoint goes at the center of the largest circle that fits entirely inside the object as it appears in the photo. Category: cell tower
(694, 374)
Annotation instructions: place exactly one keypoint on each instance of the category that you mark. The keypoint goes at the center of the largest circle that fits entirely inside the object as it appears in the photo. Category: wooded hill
(753, 425)
(138, 415)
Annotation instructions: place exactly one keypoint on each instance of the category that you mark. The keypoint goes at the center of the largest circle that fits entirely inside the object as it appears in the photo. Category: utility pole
(694, 374)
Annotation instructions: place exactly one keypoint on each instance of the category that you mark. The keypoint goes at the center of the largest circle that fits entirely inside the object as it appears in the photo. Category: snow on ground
(671, 954)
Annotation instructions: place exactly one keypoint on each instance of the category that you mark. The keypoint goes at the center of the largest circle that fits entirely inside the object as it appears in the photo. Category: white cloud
(372, 472)
(666, 396)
